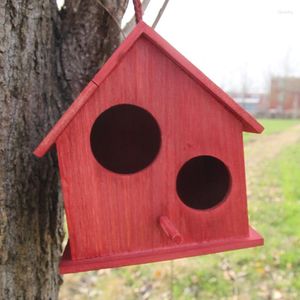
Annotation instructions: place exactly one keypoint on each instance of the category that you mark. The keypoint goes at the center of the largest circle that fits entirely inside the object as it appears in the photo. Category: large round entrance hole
(203, 182)
(125, 139)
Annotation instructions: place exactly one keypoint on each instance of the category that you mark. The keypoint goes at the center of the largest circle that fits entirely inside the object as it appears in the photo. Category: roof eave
(250, 124)
(63, 122)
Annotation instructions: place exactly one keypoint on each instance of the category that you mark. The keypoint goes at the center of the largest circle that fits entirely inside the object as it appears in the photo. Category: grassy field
(272, 126)
(269, 272)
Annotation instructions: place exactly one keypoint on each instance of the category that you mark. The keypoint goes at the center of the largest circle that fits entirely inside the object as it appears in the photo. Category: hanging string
(138, 10)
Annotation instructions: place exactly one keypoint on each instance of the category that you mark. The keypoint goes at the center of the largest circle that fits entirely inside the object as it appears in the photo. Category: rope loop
(138, 10)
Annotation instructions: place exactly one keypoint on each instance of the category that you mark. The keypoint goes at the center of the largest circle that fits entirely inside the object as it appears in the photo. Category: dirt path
(267, 147)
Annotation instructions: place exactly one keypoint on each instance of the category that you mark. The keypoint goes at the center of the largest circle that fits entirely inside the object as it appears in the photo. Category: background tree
(46, 58)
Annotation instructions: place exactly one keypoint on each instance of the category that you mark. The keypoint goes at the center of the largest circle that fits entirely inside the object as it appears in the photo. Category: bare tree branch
(113, 17)
(160, 13)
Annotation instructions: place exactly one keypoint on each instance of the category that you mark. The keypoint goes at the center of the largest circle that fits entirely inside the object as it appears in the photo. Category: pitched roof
(249, 123)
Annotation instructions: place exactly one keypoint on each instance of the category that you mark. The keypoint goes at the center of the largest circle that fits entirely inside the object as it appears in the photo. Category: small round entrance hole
(125, 139)
(203, 182)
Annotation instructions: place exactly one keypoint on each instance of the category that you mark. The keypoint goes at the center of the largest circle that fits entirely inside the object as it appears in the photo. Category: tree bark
(46, 58)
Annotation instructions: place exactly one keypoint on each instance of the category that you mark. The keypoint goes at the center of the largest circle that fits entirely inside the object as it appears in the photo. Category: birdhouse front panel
(150, 143)
(151, 161)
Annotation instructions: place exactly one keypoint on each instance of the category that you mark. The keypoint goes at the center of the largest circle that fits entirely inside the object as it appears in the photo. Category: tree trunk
(46, 58)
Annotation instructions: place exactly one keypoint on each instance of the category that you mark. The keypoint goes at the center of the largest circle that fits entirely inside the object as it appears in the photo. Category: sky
(234, 42)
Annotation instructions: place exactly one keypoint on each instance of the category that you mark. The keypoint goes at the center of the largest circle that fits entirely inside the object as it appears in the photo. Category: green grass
(272, 126)
(277, 213)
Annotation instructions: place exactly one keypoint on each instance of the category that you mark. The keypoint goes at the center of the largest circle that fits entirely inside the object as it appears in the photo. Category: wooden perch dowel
(170, 230)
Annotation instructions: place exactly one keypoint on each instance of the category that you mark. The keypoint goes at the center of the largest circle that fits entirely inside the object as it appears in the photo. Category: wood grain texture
(110, 214)
(70, 266)
(248, 122)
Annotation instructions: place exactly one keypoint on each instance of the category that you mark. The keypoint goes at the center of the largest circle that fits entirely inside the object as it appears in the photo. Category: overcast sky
(233, 41)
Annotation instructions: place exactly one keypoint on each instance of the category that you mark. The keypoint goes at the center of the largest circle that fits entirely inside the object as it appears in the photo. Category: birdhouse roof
(142, 30)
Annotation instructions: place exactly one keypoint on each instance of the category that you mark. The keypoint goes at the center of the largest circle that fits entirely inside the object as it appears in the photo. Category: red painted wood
(113, 218)
(109, 213)
(249, 123)
(170, 230)
(70, 266)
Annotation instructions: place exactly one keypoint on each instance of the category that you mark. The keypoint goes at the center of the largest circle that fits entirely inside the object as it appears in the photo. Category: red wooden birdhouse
(151, 161)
